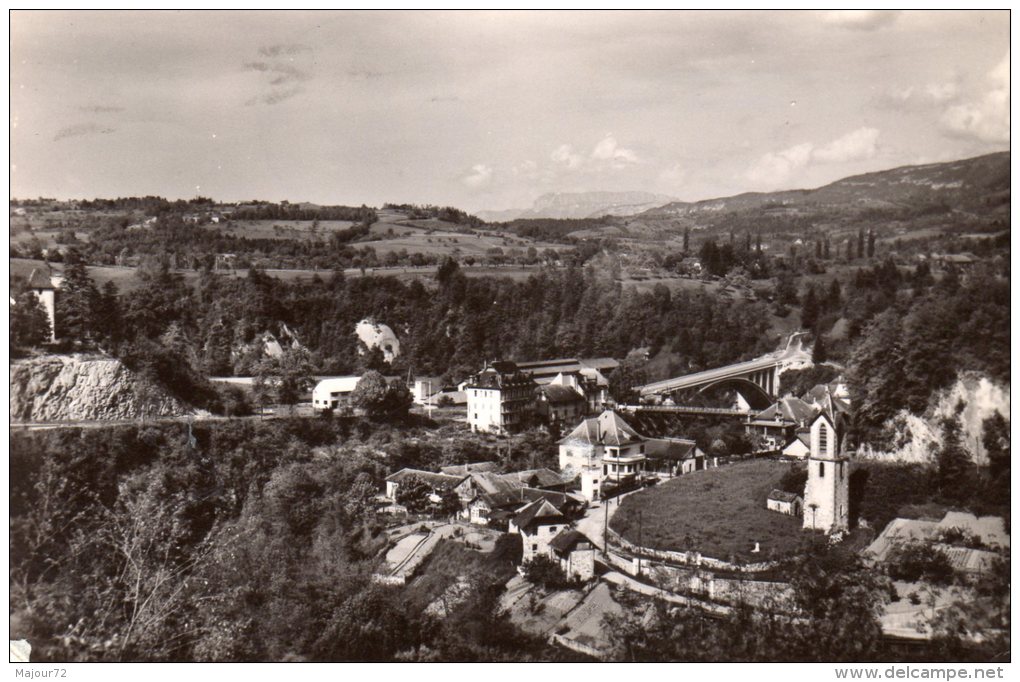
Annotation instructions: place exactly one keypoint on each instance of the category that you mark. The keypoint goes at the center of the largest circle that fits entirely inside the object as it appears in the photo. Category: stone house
(576, 554)
(783, 502)
(537, 523)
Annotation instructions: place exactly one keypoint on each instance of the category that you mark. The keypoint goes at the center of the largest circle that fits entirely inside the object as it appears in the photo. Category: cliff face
(74, 388)
(917, 438)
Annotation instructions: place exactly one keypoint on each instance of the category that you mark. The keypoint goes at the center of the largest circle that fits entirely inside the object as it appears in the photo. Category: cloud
(526, 169)
(672, 176)
(81, 129)
(480, 176)
(861, 19)
(444, 98)
(275, 96)
(855, 146)
(364, 74)
(985, 117)
(564, 155)
(284, 73)
(100, 109)
(934, 94)
(283, 50)
(775, 168)
(608, 150)
(281, 72)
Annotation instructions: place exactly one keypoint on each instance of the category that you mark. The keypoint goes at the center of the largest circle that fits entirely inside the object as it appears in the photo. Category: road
(595, 518)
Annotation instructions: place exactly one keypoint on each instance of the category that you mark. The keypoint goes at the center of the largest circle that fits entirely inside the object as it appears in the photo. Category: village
(575, 564)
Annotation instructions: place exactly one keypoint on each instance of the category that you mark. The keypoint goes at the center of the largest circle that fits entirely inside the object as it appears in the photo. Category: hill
(958, 196)
(576, 205)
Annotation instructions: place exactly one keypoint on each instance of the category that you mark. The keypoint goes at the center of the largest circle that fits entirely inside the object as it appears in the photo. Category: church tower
(827, 492)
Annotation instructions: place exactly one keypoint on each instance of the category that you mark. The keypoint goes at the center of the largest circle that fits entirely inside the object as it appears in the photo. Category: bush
(546, 572)
(921, 561)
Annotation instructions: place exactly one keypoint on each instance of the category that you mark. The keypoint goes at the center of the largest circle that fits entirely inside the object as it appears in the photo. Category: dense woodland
(248, 541)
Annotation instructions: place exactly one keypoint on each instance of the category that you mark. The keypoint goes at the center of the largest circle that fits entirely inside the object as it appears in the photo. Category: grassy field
(718, 512)
(297, 230)
(125, 280)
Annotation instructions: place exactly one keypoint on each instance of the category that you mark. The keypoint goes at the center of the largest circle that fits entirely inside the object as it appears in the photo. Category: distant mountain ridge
(581, 205)
(978, 182)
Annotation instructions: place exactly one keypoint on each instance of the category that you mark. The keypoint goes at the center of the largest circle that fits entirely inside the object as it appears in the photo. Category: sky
(489, 110)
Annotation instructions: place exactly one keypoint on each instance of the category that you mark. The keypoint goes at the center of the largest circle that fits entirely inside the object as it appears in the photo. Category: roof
(606, 429)
(337, 385)
(600, 364)
(555, 393)
(430, 477)
(991, 529)
(492, 483)
(469, 468)
(39, 280)
(897, 532)
(783, 496)
(788, 409)
(515, 499)
(566, 540)
(671, 448)
(538, 513)
(535, 478)
(500, 374)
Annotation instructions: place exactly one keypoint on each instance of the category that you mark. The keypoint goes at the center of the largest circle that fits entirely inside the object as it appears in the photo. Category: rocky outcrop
(918, 438)
(57, 388)
(375, 335)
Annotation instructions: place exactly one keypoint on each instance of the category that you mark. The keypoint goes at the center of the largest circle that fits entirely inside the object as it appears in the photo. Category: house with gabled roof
(576, 554)
(438, 482)
(674, 456)
(785, 502)
(779, 422)
(538, 523)
(602, 449)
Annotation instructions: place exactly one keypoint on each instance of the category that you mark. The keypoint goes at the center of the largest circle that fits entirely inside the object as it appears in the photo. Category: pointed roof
(538, 513)
(788, 409)
(40, 280)
(566, 540)
(606, 429)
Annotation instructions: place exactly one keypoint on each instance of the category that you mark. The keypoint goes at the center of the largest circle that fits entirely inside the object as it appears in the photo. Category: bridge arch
(756, 396)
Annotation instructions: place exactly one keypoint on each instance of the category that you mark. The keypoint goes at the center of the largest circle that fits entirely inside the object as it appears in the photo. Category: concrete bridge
(757, 381)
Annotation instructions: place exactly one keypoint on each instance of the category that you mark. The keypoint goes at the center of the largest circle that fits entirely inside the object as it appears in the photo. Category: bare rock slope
(60, 388)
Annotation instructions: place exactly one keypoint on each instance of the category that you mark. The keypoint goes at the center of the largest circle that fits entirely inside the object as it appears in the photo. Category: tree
(546, 572)
(414, 494)
(687, 239)
(996, 438)
(809, 308)
(871, 243)
(380, 400)
(860, 243)
(30, 324)
(262, 385)
(295, 377)
(954, 465)
(76, 303)
(819, 353)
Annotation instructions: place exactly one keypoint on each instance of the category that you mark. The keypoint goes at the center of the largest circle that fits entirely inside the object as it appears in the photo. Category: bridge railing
(686, 409)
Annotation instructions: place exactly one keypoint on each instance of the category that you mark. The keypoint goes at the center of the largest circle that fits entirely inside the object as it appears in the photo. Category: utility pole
(605, 527)
(639, 543)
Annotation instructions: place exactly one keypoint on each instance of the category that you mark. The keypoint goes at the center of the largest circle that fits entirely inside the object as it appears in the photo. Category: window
(821, 470)
(552, 529)
(534, 547)
(823, 439)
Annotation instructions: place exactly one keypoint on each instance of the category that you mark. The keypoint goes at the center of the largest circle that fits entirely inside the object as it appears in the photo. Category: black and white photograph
(516, 336)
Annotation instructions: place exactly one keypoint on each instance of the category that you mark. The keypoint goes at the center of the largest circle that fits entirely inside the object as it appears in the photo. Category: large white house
(500, 398)
(603, 448)
(328, 394)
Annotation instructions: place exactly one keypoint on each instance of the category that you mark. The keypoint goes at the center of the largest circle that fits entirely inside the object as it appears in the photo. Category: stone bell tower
(827, 491)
